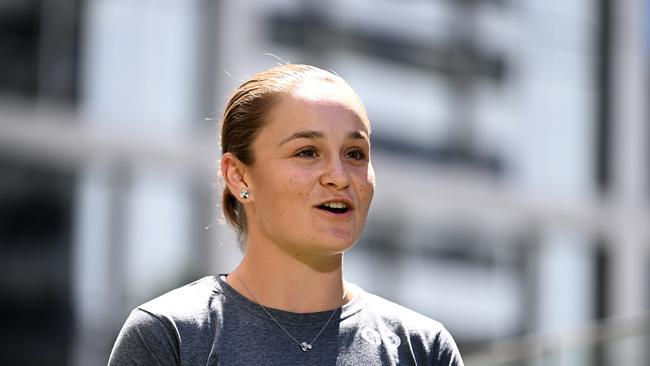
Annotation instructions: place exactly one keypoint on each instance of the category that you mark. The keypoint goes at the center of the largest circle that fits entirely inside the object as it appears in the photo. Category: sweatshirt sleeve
(446, 351)
(145, 339)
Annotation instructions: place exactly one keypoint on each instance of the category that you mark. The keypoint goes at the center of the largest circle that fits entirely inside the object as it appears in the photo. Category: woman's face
(312, 180)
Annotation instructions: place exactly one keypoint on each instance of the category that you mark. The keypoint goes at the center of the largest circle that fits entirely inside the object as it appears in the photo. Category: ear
(234, 172)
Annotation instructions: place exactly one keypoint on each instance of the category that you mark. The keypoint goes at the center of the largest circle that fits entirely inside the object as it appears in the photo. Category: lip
(343, 200)
(344, 215)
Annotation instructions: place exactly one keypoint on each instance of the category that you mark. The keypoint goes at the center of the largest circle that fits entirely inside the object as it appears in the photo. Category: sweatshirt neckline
(286, 317)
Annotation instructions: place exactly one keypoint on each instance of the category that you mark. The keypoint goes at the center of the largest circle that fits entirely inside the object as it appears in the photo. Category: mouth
(335, 207)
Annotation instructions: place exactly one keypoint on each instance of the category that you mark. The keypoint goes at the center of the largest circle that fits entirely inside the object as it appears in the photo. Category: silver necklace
(304, 346)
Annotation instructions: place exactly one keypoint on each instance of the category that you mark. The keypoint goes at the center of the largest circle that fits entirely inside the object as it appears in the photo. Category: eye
(356, 154)
(308, 153)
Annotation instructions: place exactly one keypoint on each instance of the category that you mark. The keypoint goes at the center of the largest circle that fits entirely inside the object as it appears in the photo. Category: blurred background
(511, 144)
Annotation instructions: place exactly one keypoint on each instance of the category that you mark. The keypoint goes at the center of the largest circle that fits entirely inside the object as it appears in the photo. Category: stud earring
(244, 194)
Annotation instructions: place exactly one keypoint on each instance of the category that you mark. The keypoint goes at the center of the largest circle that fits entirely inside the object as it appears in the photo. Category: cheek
(294, 183)
(300, 183)
(367, 193)
(367, 185)
(270, 187)
(288, 192)
(371, 181)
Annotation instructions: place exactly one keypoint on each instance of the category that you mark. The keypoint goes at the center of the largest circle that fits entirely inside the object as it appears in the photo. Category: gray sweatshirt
(209, 323)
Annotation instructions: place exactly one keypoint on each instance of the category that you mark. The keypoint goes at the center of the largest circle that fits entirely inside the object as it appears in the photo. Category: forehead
(322, 89)
(321, 94)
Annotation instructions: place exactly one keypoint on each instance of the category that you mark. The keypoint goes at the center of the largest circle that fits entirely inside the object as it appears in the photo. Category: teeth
(335, 205)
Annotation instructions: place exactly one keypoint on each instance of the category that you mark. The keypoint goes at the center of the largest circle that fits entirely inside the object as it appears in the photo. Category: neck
(290, 282)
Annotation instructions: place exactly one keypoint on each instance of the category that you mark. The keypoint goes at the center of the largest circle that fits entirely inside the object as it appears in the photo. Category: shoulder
(142, 337)
(191, 302)
(392, 313)
(187, 313)
(427, 338)
(160, 331)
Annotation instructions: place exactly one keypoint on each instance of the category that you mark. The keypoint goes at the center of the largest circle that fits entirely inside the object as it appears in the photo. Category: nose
(335, 174)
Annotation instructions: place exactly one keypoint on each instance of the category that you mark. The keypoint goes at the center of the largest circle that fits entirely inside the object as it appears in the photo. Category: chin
(340, 243)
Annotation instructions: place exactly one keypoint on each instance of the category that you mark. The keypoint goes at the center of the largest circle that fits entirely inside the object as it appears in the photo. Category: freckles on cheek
(296, 185)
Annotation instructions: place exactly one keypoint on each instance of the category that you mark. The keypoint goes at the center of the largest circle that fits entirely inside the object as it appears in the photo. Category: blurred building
(510, 140)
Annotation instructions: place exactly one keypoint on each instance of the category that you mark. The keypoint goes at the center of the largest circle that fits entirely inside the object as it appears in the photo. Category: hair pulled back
(245, 115)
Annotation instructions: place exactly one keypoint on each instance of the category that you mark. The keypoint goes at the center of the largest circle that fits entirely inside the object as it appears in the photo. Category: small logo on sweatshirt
(372, 336)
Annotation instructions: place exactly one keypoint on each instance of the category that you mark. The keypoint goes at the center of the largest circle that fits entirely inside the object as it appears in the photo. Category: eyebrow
(358, 135)
(319, 135)
(303, 135)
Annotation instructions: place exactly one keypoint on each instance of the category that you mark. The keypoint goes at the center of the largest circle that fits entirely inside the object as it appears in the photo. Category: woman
(298, 184)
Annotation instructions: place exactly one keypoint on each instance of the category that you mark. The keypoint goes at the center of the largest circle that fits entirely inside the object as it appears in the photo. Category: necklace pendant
(305, 346)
